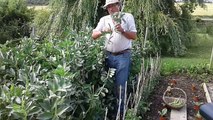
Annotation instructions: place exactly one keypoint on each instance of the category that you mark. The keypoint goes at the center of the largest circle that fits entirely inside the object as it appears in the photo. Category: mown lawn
(198, 54)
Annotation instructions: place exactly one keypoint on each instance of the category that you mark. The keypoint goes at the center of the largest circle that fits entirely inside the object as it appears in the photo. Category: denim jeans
(121, 63)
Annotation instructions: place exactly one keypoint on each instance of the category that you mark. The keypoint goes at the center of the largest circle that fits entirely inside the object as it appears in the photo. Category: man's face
(112, 8)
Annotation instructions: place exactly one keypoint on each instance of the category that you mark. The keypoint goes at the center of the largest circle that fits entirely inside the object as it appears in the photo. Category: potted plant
(162, 114)
(195, 98)
(198, 116)
(197, 105)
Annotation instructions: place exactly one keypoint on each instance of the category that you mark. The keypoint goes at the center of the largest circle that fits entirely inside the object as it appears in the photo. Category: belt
(119, 53)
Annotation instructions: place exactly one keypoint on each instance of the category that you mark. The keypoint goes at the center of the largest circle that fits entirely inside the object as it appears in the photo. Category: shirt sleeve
(100, 25)
(131, 23)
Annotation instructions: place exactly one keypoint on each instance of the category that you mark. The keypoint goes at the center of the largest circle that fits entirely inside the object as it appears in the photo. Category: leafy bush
(53, 79)
(59, 79)
(14, 19)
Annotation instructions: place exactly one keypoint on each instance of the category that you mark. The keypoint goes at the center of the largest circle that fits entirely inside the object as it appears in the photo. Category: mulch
(191, 85)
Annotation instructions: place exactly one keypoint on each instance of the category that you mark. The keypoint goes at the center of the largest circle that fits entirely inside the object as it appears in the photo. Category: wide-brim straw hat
(108, 2)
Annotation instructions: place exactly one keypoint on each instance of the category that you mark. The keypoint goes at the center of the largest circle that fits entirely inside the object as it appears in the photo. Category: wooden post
(208, 98)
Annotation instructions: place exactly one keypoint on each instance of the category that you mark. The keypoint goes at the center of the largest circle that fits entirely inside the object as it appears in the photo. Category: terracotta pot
(162, 118)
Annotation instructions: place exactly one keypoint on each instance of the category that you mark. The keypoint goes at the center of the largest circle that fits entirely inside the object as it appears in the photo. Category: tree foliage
(70, 14)
(14, 19)
(162, 25)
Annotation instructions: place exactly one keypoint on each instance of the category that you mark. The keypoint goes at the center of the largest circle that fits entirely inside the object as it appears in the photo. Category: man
(119, 33)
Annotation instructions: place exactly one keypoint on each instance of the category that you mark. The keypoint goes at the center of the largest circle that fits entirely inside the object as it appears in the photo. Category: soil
(192, 87)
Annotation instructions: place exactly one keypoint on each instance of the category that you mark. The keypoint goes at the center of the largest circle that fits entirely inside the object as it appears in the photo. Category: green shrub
(14, 19)
(53, 79)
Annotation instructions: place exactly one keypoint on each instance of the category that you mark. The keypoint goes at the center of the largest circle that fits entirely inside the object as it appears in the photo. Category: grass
(202, 47)
(197, 55)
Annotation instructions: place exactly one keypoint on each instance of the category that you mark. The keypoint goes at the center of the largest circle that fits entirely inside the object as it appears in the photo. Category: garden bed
(191, 85)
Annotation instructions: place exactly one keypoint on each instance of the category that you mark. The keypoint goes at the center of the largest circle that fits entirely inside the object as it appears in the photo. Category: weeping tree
(162, 25)
(165, 26)
(70, 15)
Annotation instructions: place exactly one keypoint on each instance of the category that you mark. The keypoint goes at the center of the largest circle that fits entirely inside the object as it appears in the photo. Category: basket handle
(177, 89)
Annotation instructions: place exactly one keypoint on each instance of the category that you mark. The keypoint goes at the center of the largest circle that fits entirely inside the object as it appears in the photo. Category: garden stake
(118, 113)
(105, 118)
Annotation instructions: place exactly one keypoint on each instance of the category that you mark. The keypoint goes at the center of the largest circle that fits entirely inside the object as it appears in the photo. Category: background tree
(14, 19)
(162, 26)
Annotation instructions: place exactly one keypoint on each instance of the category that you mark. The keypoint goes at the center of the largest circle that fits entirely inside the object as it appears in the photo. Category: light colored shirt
(115, 41)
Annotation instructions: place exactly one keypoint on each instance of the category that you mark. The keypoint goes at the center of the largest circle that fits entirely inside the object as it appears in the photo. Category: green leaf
(1, 55)
(12, 72)
(18, 109)
(2, 67)
(34, 110)
(45, 116)
(62, 110)
(46, 105)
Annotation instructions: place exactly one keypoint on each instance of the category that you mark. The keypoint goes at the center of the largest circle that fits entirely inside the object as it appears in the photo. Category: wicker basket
(175, 98)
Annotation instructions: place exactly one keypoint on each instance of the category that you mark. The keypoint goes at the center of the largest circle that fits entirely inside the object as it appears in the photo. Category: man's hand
(97, 34)
(127, 34)
(106, 30)
(119, 28)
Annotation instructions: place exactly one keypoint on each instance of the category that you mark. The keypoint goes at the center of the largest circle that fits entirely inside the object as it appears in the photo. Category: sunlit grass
(39, 7)
(202, 11)
(207, 11)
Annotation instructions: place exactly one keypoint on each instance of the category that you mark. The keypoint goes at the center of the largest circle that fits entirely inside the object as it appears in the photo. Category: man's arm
(127, 34)
(96, 34)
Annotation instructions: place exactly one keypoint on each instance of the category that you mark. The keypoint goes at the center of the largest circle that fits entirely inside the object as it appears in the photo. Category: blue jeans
(121, 63)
